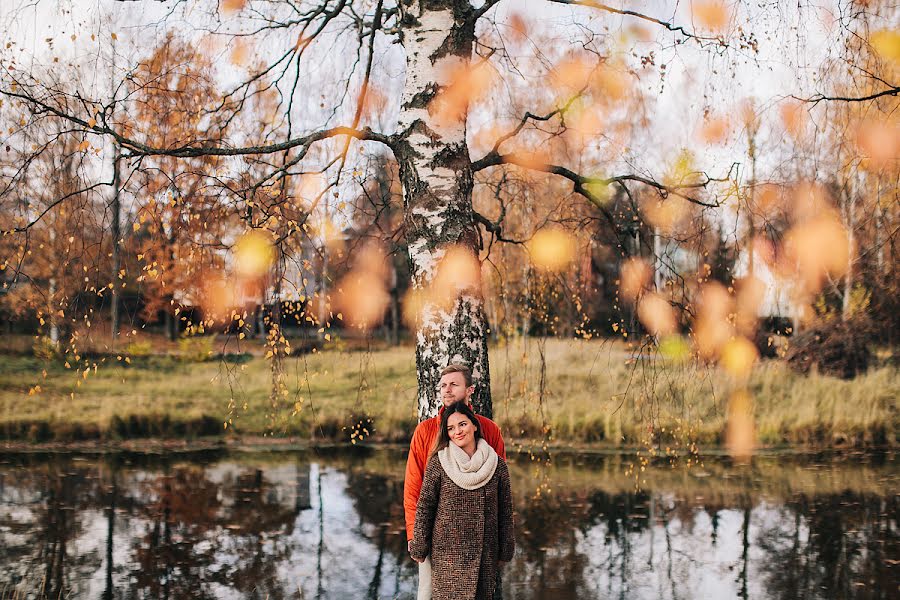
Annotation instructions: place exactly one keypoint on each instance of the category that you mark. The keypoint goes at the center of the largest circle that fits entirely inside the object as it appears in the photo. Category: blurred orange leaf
(740, 436)
(551, 249)
(711, 14)
(253, 254)
(714, 130)
(458, 271)
(635, 274)
(794, 117)
(656, 314)
(230, 6)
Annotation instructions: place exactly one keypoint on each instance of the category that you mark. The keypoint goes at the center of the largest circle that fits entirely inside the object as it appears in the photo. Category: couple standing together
(457, 497)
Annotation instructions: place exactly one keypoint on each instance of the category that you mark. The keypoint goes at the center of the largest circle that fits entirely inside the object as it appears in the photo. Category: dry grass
(592, 392)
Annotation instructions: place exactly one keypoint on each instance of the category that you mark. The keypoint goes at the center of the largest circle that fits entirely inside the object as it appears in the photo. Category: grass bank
(570, 392)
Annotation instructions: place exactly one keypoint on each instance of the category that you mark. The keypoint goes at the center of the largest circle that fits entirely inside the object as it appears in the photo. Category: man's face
(453, 389)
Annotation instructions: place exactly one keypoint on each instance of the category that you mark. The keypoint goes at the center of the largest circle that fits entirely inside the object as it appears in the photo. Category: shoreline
(293, 444)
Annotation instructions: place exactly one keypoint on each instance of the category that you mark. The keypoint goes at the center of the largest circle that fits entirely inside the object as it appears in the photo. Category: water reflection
(316, 524)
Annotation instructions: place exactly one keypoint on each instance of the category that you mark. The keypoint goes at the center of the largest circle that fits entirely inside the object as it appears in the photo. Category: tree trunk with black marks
(437, 177)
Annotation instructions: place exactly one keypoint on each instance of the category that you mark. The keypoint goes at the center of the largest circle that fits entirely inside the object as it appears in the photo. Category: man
(455, 385)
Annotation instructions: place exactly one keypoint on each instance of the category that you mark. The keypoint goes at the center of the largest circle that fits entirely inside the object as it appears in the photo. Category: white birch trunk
(436, 172)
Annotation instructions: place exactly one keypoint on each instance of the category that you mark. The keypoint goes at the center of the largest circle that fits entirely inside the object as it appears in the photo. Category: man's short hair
(459, 368)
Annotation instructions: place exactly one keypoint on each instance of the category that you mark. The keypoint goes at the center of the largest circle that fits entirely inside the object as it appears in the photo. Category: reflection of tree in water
(259, 525)
(547, 526)
(192, 534)
(378, 501)
(181, 507)
(60, 490)
(839, 546)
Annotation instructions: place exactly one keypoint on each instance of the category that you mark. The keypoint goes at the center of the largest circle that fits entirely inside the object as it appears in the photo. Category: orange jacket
(422, 440)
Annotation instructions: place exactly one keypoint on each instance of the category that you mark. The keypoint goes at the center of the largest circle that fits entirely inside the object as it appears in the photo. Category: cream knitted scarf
(469, 473)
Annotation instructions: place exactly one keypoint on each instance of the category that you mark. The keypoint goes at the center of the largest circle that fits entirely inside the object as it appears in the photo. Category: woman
(464, 515)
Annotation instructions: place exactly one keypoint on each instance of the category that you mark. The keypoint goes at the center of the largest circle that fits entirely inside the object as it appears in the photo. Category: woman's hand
(409, 549)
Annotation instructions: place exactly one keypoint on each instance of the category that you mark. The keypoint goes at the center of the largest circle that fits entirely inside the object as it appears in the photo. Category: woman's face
(461, 430)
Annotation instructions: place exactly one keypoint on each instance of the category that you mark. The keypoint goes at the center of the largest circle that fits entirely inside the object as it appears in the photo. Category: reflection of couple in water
(457, 497)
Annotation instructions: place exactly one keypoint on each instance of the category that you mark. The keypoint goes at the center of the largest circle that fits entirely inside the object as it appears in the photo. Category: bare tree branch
(140, 149)
(630, 13)
(893, 91)
(582, 183)
(51, 206)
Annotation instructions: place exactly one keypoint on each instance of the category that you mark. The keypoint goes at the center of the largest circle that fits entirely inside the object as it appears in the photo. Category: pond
(328, 523)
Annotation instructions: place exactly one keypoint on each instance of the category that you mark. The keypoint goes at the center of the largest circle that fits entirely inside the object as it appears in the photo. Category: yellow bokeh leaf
(886, 43)
(738, 357)
(552, 249)
(253, 254)
(711, 14)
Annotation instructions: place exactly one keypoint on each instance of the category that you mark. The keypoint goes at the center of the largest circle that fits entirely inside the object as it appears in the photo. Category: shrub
(196, 348)
(45, 349)
(833, 347)
(139, 348)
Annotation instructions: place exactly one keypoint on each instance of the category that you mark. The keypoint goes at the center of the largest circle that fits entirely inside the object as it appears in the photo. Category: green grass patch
(593, 392)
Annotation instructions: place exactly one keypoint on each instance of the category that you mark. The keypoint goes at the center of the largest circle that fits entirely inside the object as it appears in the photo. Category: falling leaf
(219, 297)
(740, 435)
(887, 43)
(231, 6)
(711, 15)
(362, 295)
(714, 130)
(240, 53)
(413, 304)
(517, 27)
(667, 214)
(878, 140)
(635, 274)
(588, 120)
(738, 357)
(551, 249)
(794, 117)
(462, 84)
(253, 254)
(363, 299)
(712, 328)
(609, 84)
(457, 272)
(820, 248)
(536, 160)
(573, 73)
(656, 314)
(751, 291)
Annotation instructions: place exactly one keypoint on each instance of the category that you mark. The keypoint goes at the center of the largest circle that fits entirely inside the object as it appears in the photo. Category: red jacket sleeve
(492, 435)
(412, 482)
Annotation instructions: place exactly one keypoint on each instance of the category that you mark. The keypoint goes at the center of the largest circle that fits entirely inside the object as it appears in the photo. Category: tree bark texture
(437, 176)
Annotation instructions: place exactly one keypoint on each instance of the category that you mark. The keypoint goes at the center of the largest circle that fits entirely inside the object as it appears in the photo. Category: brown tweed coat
(465, 531)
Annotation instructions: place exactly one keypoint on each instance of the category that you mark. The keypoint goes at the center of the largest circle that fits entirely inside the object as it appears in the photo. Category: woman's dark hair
(443, 438)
